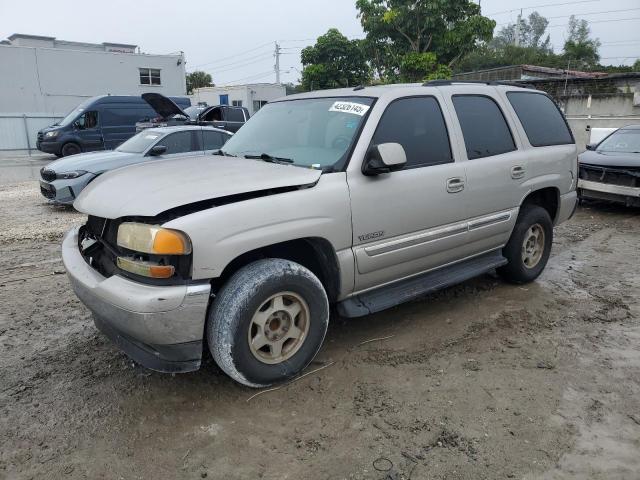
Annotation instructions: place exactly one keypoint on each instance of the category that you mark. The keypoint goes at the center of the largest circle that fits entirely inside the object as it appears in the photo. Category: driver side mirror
(157, 150)
(592, 146)
(384, 158)
(77, 125)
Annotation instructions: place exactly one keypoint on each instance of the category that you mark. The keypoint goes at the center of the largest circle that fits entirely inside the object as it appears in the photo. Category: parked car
(170, 113)
(610, 169)
(99, 123)
(64, 179)
(362, 198)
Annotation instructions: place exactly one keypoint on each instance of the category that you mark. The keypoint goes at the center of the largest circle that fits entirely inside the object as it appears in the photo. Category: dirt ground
(481, 381)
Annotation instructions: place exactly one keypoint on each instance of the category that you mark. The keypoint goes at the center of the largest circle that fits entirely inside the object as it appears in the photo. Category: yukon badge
(371, 236)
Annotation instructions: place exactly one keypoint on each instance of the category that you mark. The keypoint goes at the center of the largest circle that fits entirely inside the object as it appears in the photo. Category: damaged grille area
(97, 242)
(622, 176)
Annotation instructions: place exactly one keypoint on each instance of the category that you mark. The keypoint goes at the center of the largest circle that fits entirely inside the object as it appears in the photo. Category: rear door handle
(518, 171)
(455, 185)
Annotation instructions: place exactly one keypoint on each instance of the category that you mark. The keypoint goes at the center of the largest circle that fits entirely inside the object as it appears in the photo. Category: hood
(151, 188)
(165, 107)
(95, 162)
(610, 159)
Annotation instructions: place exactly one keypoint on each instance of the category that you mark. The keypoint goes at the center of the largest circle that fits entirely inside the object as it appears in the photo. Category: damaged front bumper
(160, 327)
(629, 196)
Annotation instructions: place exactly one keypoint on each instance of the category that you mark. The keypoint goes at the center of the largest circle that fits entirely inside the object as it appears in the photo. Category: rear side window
(418, 125)
(542, 121)
(179, 142)
(235, 115)
(484, 128)
(213, 140)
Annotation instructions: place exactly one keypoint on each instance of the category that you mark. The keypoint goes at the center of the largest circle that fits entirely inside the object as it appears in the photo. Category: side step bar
(391, 295)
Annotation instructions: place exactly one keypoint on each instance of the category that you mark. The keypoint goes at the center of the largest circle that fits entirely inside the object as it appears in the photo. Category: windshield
(622, 141)
(314, 132)
(140, 142)
(73, 114)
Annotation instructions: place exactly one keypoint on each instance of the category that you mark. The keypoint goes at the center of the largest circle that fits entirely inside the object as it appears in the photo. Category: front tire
(268, 322)
(70, 148)
(529, 247)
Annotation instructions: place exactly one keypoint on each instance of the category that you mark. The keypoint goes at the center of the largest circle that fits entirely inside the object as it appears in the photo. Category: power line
(539, 6)
(597, 21)
(251, 77)
(233, 56)
(581, 15)
(240, 64)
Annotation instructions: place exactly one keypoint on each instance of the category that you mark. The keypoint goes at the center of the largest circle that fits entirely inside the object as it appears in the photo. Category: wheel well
(547, 198)
(316, 254)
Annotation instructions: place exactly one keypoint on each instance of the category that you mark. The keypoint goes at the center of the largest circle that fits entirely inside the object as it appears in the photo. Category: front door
(413, 220)
(89, 132)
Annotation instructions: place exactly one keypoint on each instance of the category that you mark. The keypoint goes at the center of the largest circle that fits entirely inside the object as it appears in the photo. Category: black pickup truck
(169, 114)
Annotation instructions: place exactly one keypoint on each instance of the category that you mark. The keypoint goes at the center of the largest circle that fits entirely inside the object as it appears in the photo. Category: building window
(237, 103)
(149, 76)
(258, 104)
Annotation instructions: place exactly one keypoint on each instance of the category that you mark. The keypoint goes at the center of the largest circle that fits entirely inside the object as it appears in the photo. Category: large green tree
(334, 61)
(412, 40)
(531, 34)
(580, 49)
(198, 79)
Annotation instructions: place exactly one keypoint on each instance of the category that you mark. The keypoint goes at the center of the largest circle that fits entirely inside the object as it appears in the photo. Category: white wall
(53, 81)
(245, 93)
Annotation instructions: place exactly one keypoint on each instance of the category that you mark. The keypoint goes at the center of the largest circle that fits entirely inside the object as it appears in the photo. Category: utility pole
(517, 39)
(277, 65)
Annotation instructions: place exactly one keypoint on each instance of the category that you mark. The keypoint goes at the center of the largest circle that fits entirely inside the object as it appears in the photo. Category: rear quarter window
(484, 128)
(541, 119)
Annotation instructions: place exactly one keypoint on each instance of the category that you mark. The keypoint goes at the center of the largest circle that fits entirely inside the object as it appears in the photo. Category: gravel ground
(481, 381)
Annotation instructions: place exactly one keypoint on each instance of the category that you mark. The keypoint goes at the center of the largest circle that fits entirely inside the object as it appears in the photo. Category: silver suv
(360, 198)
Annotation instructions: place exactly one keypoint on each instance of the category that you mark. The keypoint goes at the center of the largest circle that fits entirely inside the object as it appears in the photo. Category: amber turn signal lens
(169, 242)
(146, 269)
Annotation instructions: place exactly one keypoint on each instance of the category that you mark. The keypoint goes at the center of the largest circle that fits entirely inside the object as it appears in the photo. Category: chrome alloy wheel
(279, 328)
(533, 246)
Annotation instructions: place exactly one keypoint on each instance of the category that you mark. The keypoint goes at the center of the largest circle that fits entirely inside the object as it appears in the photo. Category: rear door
(233, 118)
(182, 143)
(213, 141)
(412, 220)
(496, 165)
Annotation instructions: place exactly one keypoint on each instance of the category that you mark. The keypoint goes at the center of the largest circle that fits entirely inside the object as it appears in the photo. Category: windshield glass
(73, 114)
(140, 142)
(314, 132)
(623, 141)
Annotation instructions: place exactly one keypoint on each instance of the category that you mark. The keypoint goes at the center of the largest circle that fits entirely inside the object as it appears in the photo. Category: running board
(391, 295)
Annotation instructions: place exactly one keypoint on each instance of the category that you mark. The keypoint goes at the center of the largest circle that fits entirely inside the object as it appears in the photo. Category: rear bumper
(160, 327)
(606, 191)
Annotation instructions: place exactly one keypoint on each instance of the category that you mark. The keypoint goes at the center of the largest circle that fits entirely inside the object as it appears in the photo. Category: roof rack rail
(439, 83)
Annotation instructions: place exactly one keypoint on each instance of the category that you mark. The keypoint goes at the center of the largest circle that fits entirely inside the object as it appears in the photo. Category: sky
(235, 40)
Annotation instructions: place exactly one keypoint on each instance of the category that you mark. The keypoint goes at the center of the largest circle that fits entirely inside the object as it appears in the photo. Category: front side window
(312, 132)
(621, 141)
(484, 127)
(179, 142)
(418, 125)
(149, 76)
(541, 119)
(87, 120)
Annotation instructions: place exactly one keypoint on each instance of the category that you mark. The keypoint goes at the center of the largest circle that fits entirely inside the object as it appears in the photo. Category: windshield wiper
(269, 158)
(222, 153)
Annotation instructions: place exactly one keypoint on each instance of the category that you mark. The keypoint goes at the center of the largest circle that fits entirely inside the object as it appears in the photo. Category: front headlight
(153, 239)
(71, 174)
(52, 134)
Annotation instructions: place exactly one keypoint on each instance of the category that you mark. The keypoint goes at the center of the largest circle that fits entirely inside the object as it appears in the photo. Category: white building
(252, 96)
(43, 75)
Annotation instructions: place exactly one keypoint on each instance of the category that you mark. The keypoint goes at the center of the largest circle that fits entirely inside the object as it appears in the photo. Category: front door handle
(455, 185)
(518, 171)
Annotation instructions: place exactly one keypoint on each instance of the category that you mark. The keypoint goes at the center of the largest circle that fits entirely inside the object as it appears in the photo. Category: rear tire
(70, 148)
(529, 247)
(268, 322)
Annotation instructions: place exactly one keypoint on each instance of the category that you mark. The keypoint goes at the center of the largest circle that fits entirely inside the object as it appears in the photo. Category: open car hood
(165, 107)
(151, 188)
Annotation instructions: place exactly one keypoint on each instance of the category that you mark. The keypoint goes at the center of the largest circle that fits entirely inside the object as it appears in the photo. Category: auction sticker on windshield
(350, 107)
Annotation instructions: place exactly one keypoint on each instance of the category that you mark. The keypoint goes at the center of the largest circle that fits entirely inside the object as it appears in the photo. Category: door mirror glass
(384, 158)
(157, 150)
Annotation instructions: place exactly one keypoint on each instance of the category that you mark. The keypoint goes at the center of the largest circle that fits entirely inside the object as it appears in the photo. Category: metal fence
(20, 132)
